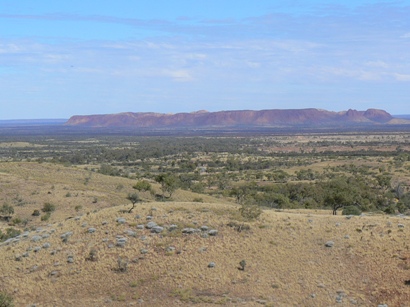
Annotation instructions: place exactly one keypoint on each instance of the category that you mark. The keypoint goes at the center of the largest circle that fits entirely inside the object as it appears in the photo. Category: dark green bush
(48, 207)
(351, 210)
(46, 217)
(390, 210)
(36, 213)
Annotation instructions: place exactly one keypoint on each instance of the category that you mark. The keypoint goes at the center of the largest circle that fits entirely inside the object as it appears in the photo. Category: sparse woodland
(121, 204)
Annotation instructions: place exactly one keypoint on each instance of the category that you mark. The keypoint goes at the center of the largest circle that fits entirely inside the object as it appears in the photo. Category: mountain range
(240, 118)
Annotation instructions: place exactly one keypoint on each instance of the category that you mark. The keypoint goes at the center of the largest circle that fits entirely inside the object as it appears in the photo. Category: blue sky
(64, 58)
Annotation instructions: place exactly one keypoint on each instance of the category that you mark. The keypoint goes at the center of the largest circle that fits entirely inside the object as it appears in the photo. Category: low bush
(6, 300)
(48, 207)
(10, 233)
(250, 212)
(351, 210)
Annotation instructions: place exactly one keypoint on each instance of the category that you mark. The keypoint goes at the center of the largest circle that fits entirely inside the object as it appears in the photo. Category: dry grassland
(287, 261)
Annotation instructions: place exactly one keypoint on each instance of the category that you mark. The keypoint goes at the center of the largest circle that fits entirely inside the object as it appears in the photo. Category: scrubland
(90, 251)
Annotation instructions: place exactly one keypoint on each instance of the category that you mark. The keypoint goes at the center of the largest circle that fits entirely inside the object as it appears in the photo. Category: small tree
(340, 193)
(133, 198)
(250, 212)
(142, 186)
(169, 184)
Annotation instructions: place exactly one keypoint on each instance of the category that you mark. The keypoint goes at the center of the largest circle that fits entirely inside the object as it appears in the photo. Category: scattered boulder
(157, 229)
(213, 232)
(151, 225)
(66, 235)
(121, 220)
(211, 265)
(329, 244)
(36, 238)
(172, 227)
(91, 230)
(131, 233)
(189, 230)
(121, 241)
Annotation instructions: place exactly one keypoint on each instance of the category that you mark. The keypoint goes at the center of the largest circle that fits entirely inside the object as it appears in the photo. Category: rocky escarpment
(242, 118)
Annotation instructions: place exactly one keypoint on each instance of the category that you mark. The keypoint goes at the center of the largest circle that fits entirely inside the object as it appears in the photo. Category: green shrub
(351, 210)
(10, 233)
(6, 300)
(46, 217)
(390, 210)
(250, 212)
(16, 221)
(7, 209)
(48, 207)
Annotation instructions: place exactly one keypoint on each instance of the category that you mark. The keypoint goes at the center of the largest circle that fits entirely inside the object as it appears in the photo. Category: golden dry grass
(288, 263)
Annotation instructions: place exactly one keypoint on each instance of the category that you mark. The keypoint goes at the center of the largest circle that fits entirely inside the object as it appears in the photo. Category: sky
(65, 58)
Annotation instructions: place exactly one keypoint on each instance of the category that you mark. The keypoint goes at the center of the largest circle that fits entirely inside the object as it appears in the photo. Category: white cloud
(179, 75)
(402, 77)
(379, 64)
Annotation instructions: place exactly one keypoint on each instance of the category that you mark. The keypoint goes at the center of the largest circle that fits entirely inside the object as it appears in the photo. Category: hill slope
(245, 118)
(287, 262)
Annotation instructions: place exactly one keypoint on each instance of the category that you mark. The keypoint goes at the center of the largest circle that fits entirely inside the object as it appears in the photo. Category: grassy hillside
(91, 257)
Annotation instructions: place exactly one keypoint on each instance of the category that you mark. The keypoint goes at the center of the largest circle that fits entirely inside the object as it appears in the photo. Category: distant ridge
(239, 119)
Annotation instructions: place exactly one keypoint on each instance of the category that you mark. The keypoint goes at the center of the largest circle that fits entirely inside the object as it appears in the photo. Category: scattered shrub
(10, 233)
(122, 264)
(92, 255)
(390, 210)
(6, 300)
(48, 207)
(250, 212)
(46, 217)
(7, 209)
(36, 213)
(351, 210)
(16, 221)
